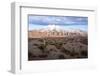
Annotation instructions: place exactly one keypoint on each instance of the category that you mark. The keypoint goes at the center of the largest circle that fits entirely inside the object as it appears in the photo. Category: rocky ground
(58, 48)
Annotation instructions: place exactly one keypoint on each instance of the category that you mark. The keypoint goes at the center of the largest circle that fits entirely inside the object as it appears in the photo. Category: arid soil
(51, 48)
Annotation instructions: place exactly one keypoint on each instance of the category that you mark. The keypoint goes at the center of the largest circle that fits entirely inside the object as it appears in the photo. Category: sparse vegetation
(58, 48)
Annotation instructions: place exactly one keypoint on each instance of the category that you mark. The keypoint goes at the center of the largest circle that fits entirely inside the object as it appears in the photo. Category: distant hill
(55, 32)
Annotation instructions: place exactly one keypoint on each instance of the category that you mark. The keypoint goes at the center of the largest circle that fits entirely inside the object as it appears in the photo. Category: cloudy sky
(66, 22)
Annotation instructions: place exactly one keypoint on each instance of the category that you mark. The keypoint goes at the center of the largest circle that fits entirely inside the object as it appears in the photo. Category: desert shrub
(41, 47)
(63, 50)
(35, 44)
(50, 48)
(51, 42)
(30, 54)
(41, 40)
(84, 41)
(61, 57)
(43, 56)
(72, 53)
(58, 45)
(84, 53)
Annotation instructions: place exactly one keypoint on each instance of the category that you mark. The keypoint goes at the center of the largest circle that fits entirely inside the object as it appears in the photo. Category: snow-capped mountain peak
(51, 28)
